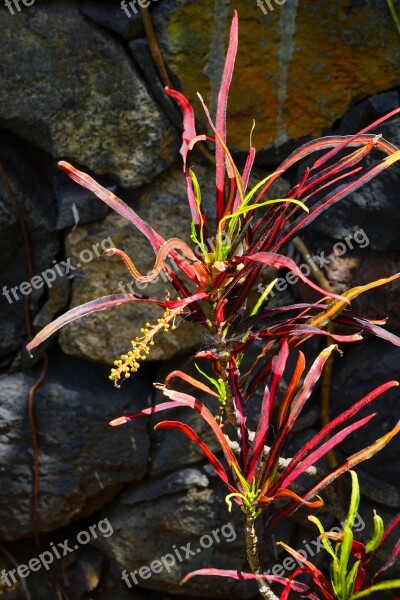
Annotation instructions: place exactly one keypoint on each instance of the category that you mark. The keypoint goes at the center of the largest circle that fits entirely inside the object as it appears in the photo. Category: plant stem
(253, 560)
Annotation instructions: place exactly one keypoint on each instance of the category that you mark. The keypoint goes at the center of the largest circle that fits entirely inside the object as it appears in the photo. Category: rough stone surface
(152, 519)
(34, 196)
(71, 89)
(83, 461)
(111, 16)
(84, 573)
(105, 335)
(304, 62)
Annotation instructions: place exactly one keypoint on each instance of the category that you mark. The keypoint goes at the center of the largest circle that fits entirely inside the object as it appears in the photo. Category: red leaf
(242, 576)
(278, 261)
(187, 400)
(221, 115)
(340, 147)
(313, 457)
(113, 202)
(354, 460)
(143, 413)
(327, 430)
(191, 381)
(269, 398)
(81, 311)
(188, 431)
(189, 124)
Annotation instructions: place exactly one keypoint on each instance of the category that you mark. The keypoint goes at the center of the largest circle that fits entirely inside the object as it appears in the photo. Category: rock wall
(77, 82)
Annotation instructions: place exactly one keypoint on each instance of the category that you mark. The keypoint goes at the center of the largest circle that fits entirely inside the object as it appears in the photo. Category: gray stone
(367, 111)
(141, 55)
(146, 531)
(83, 462)
(72, 90)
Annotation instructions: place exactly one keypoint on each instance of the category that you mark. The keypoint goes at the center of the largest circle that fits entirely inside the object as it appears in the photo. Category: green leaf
(197, 195)
(327, 545)
(375, 542)
(385, 585)
(354, 500)
(262, 298)
(351, 577)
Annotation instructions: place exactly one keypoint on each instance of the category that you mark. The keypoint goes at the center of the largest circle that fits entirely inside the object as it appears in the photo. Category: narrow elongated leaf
(191, 381)
(324, 143)
(221, 115)
(319, 578)
(278, 261)
(113, 202)
(336, 307)
(352, 138)
(239, 407)
(330, 427)
(81, 311)
(188, 431)
(269, 399)
(354, 460)
(242, 576)
(297, 405)
(144, 413)
(291, 389)
(377, 587)
(189, 124)
(187, 400)
(336, 195)
(245, 176)
(320, 452)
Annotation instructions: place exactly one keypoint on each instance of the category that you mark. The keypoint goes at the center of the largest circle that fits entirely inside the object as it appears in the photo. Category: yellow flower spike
(130, 361)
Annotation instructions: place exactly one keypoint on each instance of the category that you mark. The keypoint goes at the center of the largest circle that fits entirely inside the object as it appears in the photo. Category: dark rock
(144, 61)
(113, 17)
(367, 111)
(72, 90)
(147, 531)
(83, 462)
(33, 194)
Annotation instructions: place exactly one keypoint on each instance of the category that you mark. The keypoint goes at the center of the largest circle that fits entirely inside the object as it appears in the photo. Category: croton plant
(215, 289)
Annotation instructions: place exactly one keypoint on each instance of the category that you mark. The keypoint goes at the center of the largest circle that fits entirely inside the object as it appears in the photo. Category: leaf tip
(119, 421)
